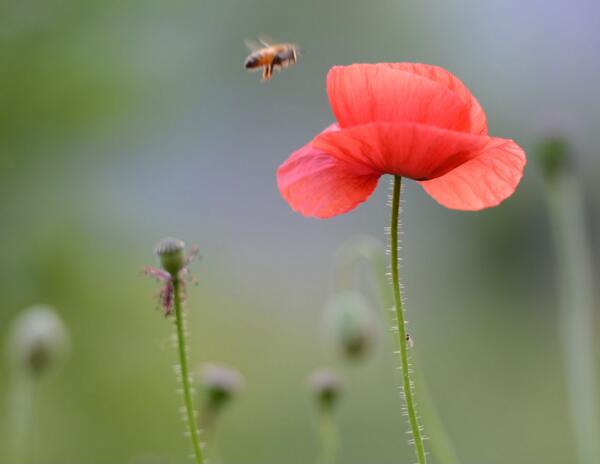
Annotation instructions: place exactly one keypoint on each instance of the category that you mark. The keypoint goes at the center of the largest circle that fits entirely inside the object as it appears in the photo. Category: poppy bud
(326, 386)
(170, 252)
(38, 340)
(554, 156)
(221, 384)
(352, 322)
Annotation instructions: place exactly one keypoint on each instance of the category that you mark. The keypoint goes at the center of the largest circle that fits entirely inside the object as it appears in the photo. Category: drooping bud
(352, 253)
(351, 321)
(221, 384)
(326, 386)
(38, 341)
(170, 252)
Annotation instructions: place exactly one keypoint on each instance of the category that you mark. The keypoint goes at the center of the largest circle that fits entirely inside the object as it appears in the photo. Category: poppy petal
(410, 150)
(484, 181)
(446, 78)
(362, 94)
(316, 184)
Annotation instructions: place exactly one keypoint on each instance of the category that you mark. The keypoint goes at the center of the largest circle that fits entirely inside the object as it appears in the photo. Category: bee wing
(253, 45)
(265, 40)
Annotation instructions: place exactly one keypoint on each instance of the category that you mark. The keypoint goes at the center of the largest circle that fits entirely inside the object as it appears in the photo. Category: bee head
(251, 62)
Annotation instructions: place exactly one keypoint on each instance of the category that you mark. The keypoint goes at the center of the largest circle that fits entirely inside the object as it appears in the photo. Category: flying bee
(270, 57)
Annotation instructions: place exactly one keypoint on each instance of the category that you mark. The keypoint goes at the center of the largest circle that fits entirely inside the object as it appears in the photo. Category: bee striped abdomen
(254, 60)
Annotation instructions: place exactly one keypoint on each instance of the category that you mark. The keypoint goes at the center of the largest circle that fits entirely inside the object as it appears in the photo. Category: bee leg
(268, 72)
(265, 74)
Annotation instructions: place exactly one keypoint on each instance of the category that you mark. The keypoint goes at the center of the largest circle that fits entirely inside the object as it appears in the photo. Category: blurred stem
(440, 445)
(207, 422)
(185, 375)
(23, 405)
(575, 313)
(328, 436)
(407, 385)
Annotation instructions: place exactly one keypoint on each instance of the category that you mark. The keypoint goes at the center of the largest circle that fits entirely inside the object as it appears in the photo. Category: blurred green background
(125, 121)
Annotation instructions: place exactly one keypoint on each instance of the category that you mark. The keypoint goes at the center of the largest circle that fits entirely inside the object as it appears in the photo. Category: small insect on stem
(270, 57)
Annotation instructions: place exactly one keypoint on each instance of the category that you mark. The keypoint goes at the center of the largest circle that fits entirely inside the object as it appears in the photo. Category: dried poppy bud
(170, 252)
(326, 386)
(38, 340)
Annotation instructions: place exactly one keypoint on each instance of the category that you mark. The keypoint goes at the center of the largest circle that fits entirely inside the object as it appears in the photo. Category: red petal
(315, 184)
(449, 80)
(411, 150)
(361, 94)
(482, 182)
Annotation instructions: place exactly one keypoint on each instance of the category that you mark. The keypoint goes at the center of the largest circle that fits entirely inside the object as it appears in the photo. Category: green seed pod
(170, 253)
(351, 321)
(326, 386)
(38, 341)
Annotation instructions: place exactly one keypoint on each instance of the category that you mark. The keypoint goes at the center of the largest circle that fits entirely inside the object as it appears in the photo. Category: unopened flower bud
(326, 386)
(170, 253)
(221, 383)
(38, 340)
(351, 320)
(554, 156)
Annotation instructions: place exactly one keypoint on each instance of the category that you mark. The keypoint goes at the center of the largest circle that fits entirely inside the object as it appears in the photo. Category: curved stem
(185, 375)
(328, 437)
(406, 382)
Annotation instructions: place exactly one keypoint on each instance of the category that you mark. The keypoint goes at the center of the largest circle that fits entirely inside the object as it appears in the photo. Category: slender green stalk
(328, 436)
(185, 375)
(407, 386)
(576, 312)
(372, 251)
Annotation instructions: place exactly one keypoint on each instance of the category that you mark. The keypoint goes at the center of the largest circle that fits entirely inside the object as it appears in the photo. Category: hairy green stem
(576, 312)
(185, 374)
(328, 436)
(371, 250)
(407, 386)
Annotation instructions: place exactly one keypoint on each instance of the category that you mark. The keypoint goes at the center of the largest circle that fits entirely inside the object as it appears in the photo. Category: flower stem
(328, 436)
(23, 404)
(576, 311)
(371, 250)
(185, 375)
(407, 385)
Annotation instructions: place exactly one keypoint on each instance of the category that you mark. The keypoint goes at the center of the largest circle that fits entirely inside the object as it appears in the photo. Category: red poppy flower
(412, 120)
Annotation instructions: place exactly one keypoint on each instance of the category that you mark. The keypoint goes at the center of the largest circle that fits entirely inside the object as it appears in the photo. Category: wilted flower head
(221, 383)
(38, 340)
(326, 386)
(350, 320)
(175, 265)
(170, 252)
(407, 119)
